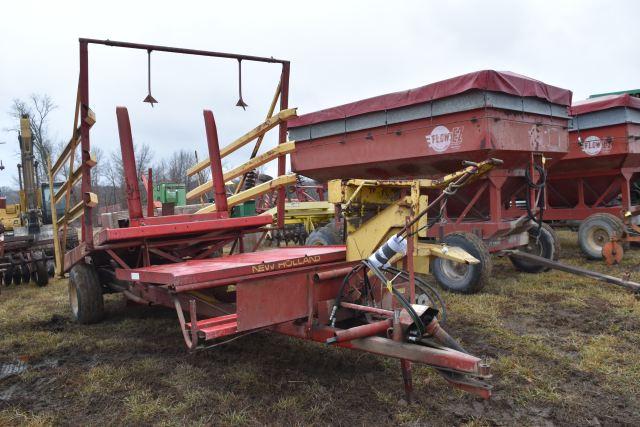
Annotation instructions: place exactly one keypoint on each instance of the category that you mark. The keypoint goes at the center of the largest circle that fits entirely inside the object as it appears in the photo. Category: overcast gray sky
(340, 51)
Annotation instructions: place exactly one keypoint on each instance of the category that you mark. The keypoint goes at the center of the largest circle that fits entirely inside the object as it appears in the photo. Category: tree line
(107, 175)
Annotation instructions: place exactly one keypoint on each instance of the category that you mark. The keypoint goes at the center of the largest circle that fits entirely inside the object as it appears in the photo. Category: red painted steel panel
(497, 81)
(273, 300)
(604, 102)
(109, 235)
(233, 266)
(413, 149)
(134, 203)
(596, 174)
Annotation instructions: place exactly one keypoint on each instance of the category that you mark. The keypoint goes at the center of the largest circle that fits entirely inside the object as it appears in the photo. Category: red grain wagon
(429, 130)
(594, 182)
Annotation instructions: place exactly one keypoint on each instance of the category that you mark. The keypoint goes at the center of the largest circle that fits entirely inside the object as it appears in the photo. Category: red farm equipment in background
(426, 131)
(596, 184)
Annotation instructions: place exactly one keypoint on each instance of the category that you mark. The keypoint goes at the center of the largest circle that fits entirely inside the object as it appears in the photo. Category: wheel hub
(599, 237)
(454, 270)
(73, 298)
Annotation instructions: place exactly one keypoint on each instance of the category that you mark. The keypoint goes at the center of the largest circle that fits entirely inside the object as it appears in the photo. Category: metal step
(216, 327)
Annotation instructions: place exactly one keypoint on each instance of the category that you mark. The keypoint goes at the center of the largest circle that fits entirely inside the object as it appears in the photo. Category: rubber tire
(619, 224)
(612, 226)
(41, 274)
(8, 276)
(550, 250)
(477, 274)
(17, 275)
(51, 268)
(85, 285)
(327, 235)
(26, 273)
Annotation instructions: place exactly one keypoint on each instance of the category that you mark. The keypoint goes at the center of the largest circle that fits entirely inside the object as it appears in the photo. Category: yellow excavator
(26, 239)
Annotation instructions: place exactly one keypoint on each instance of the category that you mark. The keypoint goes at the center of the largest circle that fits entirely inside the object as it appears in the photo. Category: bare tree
(98, 170)
(114, 172)
(38, 107)
(179, 163)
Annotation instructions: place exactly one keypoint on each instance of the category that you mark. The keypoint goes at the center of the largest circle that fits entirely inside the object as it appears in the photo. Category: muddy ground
(564, 351)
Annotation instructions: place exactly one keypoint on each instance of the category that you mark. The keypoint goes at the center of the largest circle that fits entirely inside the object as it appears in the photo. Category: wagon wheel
(545, 244)
(596, 231)
(85, 294)
(327, 235)
(425, 294)
(459, 277)
(373, 293)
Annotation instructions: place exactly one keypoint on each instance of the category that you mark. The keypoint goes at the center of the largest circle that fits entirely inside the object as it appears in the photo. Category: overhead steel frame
(81, 135)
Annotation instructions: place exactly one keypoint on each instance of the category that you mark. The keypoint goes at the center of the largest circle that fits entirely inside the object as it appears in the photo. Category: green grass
(563, 349)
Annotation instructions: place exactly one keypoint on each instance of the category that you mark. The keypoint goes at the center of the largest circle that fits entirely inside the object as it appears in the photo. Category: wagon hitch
(633, 286)
(435, 348)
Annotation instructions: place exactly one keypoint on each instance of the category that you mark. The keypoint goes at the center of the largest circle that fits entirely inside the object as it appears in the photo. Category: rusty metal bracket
(190, 339)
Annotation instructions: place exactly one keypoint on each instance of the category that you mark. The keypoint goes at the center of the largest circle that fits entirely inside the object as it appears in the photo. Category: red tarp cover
(604, 102)
(496, 81)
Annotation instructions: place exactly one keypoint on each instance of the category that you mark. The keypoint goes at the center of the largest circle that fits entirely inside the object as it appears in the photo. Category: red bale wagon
(312, 293)
(429, 130)
(595, 183)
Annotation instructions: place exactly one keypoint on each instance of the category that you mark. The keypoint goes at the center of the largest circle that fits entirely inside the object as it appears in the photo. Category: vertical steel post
(625, 187)
(411, 268)
(284, 104)
(405, 365)
(216, 162)
(85, 144)
(532, 191)
(129, 164)
(150, 201)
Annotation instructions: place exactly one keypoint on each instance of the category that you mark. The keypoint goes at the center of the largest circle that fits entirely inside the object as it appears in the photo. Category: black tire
(8, 276)
(463, 278)
(41, 274)
(25, 270)
(327, 235)
(51, 268)
(85, 294)
(596, 231)
(317, 238)
(547, 246)
(17, 275)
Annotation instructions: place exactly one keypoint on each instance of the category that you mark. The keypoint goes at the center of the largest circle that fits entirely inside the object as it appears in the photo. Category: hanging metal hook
(240, 102)
(150, 99)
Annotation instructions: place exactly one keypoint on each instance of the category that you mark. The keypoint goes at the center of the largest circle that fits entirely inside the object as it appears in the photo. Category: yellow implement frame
(375, 210)
(309, 214)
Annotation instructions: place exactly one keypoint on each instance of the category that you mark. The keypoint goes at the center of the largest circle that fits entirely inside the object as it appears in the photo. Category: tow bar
(635, 287)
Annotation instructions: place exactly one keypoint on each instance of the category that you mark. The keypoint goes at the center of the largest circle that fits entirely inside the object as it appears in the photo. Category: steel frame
(165, 261)
(263, 281)
(84, 119)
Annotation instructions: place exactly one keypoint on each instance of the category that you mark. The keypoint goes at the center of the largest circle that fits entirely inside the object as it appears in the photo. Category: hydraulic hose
(433, 295)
